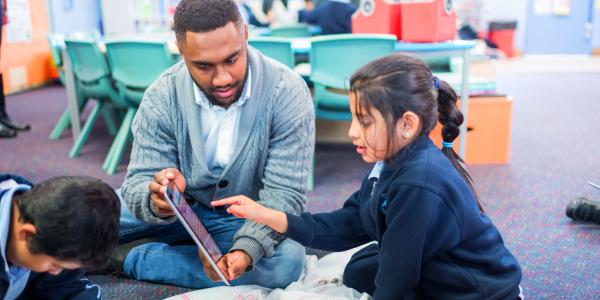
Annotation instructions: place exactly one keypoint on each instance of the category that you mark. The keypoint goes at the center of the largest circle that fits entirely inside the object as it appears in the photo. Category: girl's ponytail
(451, 118)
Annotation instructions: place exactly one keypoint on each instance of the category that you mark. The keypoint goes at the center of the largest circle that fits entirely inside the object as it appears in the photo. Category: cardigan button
(223, 184)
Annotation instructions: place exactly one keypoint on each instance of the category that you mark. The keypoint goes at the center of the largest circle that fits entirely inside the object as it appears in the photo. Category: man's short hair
(76, 219)
(204, 16)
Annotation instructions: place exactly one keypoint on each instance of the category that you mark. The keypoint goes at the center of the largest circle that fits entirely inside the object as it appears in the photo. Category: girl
(418, 203)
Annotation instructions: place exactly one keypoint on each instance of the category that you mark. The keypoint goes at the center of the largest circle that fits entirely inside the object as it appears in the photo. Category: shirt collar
(376, 171)
(9, 188)
(201, 99)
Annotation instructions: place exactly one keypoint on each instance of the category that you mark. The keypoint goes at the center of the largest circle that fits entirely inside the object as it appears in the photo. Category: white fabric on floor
(321, 279)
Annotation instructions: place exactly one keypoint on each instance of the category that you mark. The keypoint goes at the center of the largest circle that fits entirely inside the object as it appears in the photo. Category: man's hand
(159, 186)
(232, 265)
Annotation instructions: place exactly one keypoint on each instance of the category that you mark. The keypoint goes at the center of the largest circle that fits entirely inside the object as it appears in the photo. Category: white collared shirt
(17, 276)
(377, 168)
(220, 127)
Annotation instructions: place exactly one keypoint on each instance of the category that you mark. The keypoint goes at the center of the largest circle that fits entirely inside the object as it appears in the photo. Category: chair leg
(61, 125)
(108, 118)
(112, 161)
(65, 119)
(87, 128)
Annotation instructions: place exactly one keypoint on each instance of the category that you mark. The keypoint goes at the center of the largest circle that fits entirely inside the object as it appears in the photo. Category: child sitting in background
(333, 16)
(51, 232)
(418, 203)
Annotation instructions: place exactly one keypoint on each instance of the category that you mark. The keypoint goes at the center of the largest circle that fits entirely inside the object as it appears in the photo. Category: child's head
(64, 223)
(396, 99)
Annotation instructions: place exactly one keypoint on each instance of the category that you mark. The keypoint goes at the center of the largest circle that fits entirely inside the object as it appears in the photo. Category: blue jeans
(179, 264)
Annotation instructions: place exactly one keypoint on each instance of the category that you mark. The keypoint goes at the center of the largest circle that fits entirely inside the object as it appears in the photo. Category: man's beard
(216, 101)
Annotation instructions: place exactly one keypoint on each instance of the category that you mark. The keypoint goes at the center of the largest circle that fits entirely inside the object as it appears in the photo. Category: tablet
(194, 227)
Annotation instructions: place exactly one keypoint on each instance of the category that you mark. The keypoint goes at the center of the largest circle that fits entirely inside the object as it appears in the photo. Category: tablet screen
(190, 217)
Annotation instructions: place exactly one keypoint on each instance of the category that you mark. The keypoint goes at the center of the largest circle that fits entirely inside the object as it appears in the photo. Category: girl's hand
(244, 207)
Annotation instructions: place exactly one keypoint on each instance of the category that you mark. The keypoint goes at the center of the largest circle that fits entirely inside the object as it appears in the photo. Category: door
(559, 27)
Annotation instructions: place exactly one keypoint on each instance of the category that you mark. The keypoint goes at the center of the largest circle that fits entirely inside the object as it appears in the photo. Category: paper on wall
(542, 7)
(561, 7)
(19, 28)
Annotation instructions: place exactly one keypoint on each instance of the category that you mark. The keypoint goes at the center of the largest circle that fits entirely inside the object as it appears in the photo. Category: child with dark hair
(51, 232)
(418, 203)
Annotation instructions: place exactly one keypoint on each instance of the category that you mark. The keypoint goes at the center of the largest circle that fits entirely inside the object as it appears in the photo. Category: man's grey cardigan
(271, 159)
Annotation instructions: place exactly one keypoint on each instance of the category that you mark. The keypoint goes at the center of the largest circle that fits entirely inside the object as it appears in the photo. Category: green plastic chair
(279, 49)
(135, 66)
(291, 31)
(333, 59)
(92, 81)
(57, 45)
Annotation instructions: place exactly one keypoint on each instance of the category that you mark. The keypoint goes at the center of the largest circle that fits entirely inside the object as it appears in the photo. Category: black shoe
(6, 121)
(584, 209)
(6, 132)
(117, 258)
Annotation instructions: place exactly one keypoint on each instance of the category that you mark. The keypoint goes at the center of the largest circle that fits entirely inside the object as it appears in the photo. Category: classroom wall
(27, 64)
(69, 16)
(596, 26)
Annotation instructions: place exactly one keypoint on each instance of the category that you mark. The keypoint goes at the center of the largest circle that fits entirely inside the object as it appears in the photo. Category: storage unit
(489, 130)
(502, 33)
(427, 21)
(378, 16)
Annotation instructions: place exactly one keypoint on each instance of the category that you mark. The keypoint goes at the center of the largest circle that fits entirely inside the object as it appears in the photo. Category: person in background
(333, 16)
(251, 16)
(282, 12)
(51, 232)
(434, 240)
(8, 127)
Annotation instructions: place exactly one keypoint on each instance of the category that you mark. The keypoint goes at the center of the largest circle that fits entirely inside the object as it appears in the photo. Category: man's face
(217, 61)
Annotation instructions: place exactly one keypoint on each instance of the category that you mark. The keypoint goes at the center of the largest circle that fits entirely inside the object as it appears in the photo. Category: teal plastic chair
(279, 49)
(57, 45)
(333, 59)
(135, 66)
(92, 81)
(291, 31)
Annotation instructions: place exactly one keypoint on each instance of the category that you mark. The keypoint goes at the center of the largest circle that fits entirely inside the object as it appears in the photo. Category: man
(225, 121)
(49, 231)
(8, 127)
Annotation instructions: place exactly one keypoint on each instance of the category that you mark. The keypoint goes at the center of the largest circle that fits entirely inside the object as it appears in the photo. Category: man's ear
(25, 231)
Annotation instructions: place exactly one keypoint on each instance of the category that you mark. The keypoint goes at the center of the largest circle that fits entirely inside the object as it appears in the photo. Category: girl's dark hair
(398, 83)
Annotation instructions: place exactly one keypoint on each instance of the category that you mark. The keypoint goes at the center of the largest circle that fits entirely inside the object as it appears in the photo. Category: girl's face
(371, 136)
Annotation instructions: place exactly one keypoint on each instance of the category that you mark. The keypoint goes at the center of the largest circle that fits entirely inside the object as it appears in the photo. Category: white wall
(596, 32)
(69, 16)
